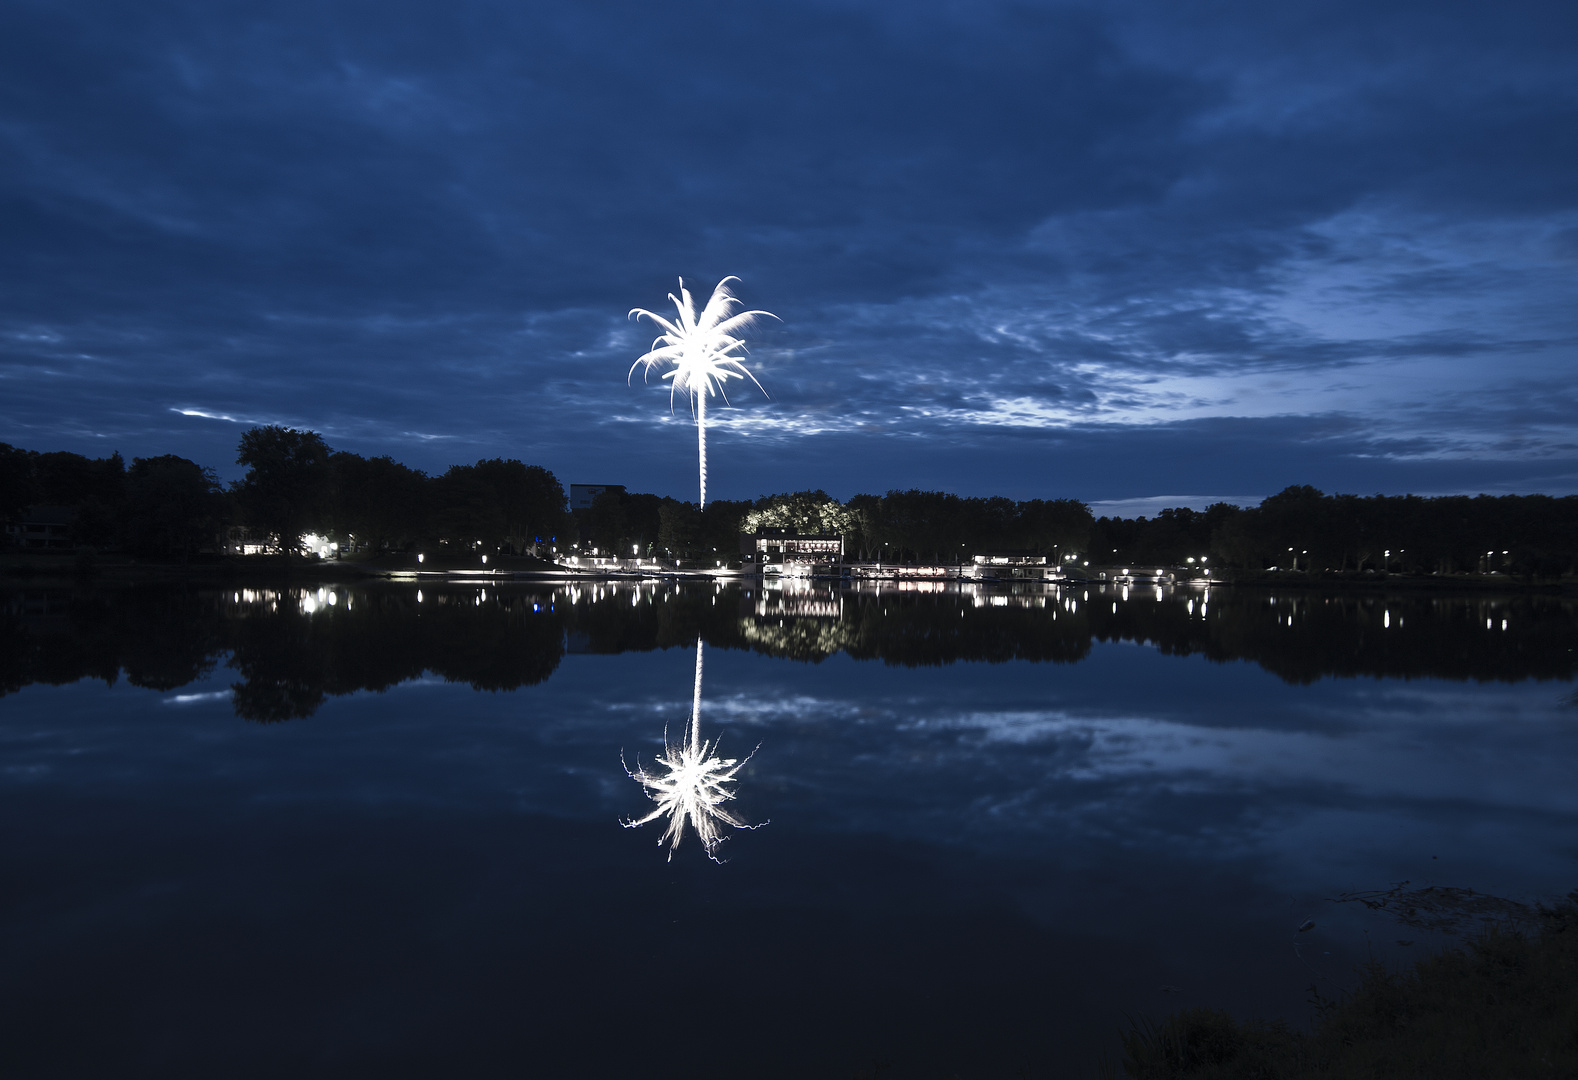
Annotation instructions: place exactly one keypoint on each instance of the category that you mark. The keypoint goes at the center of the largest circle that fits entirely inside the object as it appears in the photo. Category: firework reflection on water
(689, 782)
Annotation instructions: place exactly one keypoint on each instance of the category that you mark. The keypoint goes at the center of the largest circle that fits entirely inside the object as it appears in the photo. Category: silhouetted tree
(680, 529)
(466, 509)
(95, 487)
(643, 522)
(529, 498)
(863, 510)
(16, 481)
(1055, 526)
(61, 478)
(378, 501)
(721, 524)
(1296, 527)
(603, 524)
(618, 523)
(286, 488)
(173, 506)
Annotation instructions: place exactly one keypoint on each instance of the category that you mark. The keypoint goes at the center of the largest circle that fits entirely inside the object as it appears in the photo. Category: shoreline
(20, 568)
(1503, 1003)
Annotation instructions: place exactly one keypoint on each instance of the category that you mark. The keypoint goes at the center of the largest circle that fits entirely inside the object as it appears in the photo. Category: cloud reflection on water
(1346, 781)
(940, 716)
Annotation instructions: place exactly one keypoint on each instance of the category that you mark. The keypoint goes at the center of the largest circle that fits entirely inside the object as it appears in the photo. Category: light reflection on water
(1001, 819)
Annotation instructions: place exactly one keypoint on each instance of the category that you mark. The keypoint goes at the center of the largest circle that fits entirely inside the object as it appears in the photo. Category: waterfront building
(44, 528)
(792, 553)
(246, 540)
(1008, 566)
(1131, 574)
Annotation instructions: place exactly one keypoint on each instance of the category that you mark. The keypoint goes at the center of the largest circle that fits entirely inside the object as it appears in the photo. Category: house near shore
(44, 528)
(249, 540)
(1008, 566)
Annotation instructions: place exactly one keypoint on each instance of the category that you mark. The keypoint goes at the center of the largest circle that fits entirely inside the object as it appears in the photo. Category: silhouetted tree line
(165, 504)
(295, 484)
(1301, 528)
(291, 652)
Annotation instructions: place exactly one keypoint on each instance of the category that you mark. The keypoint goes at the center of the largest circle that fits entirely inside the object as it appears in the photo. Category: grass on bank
(1502, 1006)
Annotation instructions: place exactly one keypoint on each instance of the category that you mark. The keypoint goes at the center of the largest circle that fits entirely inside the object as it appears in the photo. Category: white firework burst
(702, 347)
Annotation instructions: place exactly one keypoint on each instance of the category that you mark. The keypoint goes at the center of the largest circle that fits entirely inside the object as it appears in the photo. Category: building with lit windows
(1008, 566)
(787, 551)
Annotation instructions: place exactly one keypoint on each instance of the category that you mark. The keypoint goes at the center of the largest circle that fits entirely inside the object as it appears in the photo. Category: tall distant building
(583, 495)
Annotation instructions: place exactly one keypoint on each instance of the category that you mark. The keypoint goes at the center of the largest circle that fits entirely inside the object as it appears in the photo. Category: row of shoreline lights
(635, 550)
(324, 599)
(322, 544)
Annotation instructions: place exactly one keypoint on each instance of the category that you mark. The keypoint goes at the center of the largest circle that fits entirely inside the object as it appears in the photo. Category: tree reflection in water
(295, 647)
(689, 782)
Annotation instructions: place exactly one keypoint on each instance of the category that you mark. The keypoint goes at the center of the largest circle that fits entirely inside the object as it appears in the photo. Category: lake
(385, 829)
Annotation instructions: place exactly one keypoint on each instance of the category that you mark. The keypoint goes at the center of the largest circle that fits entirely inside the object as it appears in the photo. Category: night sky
(1158, 252)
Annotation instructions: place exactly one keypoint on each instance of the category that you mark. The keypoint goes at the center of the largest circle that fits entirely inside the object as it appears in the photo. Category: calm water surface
(377, 830)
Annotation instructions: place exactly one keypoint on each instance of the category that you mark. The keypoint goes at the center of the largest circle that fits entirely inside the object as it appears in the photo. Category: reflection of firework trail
(695, 701)
(701, 348)
(694, 785)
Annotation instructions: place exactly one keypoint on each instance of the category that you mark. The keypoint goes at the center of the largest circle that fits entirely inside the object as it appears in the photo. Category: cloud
(1013, 235)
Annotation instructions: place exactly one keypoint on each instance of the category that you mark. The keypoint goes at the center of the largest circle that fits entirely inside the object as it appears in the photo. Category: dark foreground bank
(1505, 1005)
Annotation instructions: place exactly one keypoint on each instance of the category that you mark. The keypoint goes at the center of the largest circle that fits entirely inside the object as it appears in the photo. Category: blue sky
(1123, 251)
